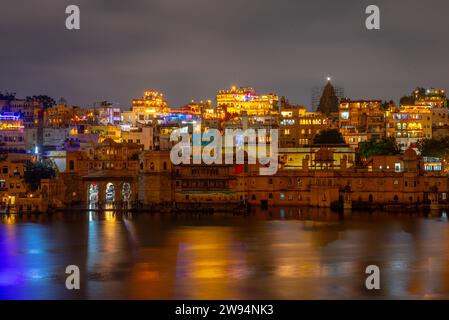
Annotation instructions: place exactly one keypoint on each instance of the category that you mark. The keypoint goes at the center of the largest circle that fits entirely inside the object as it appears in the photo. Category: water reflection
(283, 253)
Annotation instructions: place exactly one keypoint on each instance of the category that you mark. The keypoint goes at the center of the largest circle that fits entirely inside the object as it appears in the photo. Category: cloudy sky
(191, 48)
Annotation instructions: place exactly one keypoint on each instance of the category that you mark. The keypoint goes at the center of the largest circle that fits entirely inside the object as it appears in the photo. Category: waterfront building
(385, 181)
(212, 186)
(361, 120)
(12, 175)
(105, 174)
(155, 182)
(304, 158)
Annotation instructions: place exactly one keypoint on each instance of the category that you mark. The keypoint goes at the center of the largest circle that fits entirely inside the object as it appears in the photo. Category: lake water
(291, 253)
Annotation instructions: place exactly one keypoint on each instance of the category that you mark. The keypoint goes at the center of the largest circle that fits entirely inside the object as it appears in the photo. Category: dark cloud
(191, 48)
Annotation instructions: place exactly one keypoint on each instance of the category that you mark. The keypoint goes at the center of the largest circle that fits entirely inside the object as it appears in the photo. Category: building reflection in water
(291, 253)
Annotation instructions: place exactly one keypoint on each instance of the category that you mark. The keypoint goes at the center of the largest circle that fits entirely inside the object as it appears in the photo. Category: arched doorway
(126, 191)
(110, 192)
(92, 193)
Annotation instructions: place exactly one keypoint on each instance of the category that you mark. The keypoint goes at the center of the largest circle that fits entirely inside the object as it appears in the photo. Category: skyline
(188, 51)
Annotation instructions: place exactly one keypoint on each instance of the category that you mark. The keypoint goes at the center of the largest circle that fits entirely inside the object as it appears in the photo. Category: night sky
(191, 48)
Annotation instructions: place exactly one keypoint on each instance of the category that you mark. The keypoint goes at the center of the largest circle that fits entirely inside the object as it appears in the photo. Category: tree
(330, 136)
(434, 148)
(35, 171)
(387, 104)
(383, 147)
(46, 101)
(9, 96)
(407, 100)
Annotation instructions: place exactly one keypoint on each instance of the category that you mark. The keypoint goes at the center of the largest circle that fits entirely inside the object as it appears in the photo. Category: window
(5, 170)
(270, 196)
(71, 165)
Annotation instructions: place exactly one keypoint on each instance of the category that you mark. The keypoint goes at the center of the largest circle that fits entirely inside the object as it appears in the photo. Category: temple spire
(329, 100)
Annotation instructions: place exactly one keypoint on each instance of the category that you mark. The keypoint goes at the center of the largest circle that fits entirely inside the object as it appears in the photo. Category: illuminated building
(29, 110)
(361, 120)
(385, 181)
(436, 98)
(440, 123)
(63, 116)
(107, 173)
(408, 124)
(139, 135)
(12, 132)
(237, 100)
(12, 182)
(212, 186)
(155, 178)
(149, 107)
(304, 158)
(298, 127)
(106, 132)
(107, 115)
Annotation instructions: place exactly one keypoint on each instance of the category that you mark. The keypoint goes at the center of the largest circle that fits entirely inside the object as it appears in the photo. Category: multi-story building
(12, 132)
(62, 116)
(11, 178)
(237, 100)
(408, 124)
(30, 111)
(386, 181)
(361, 120)
(440, 123)
(106, 114)
(106, 132)
(107, 173)
(436, 98)
(148, 108)
(139, 135)
(297, 127)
